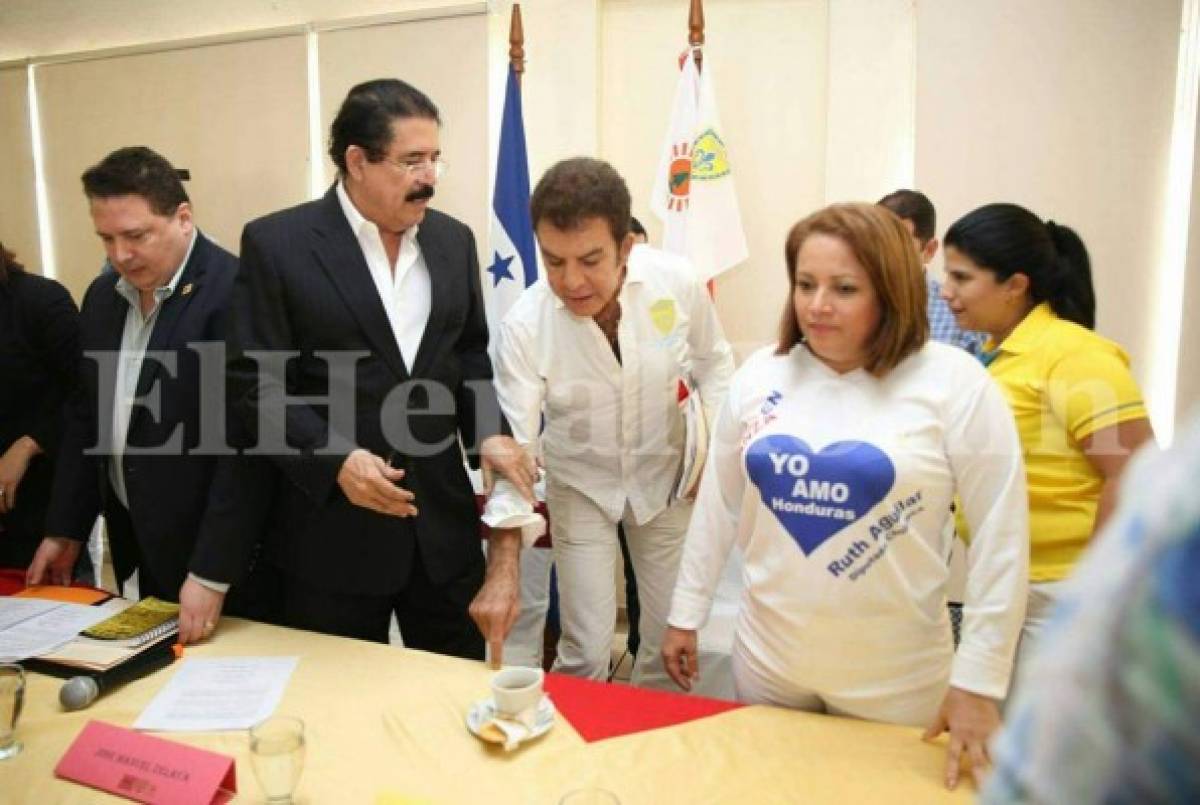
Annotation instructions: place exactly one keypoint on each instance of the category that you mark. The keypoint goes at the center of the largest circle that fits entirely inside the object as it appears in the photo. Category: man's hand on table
(54, 562)
(199, 611)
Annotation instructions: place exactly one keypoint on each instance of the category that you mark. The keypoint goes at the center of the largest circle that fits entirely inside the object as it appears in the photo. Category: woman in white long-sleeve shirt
(855, 434)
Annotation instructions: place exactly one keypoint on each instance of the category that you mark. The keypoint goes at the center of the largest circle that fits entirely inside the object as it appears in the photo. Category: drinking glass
(12, 695)
(277, 753)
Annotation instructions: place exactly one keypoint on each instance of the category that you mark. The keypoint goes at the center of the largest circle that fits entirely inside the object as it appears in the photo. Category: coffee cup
(515, 690)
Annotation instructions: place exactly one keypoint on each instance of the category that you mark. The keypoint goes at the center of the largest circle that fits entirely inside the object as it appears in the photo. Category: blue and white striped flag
(513, 266)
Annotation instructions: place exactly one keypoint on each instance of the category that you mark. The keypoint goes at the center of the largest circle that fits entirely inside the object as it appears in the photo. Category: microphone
(80, 691)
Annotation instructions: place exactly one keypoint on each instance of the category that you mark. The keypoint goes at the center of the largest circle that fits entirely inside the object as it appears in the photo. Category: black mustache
(420, 194)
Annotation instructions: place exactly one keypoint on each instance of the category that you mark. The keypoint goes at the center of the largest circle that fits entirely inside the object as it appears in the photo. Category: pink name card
(147, 769)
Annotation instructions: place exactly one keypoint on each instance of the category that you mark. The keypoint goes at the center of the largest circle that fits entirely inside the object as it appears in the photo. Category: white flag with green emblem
(693, 190)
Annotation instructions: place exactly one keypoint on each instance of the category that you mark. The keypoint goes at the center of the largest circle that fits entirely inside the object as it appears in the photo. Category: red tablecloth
(599, 710)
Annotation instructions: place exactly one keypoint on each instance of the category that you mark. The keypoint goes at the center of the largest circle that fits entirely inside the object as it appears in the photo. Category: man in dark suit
(144, 441)
(358, 351)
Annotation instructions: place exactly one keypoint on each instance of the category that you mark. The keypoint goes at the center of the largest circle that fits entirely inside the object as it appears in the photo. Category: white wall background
(1065, 106)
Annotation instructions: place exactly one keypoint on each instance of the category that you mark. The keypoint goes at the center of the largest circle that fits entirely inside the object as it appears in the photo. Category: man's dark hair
(635, 226)
(915, 206)
(136, 171)
(577, 189)
(365, 117)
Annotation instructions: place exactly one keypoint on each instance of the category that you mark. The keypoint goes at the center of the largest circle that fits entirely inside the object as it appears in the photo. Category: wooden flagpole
(696, 31)
(516, 43)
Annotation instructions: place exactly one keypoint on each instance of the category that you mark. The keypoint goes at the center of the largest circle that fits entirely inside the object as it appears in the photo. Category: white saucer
(484, 710)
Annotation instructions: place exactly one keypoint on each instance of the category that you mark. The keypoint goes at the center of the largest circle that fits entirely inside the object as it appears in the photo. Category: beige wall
(245, 143)
(1188, 393)
(417, 52)
(18, 207)
(871, 112)
(768, 61)
(40, 28)
(1065, 108)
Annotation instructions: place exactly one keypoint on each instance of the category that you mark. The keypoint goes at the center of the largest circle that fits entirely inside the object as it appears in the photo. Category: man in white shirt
(358, 348)
(598, 350)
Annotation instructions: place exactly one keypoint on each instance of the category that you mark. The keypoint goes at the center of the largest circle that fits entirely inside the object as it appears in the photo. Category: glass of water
(12, 696)
(277, 753)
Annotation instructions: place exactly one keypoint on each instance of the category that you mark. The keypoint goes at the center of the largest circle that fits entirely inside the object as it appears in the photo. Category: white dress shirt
(613, 430)
(403, 287)
(135, 338)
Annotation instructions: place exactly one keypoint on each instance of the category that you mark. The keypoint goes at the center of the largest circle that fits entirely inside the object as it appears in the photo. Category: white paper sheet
(48, 630)
(227, 693)
(15, 610)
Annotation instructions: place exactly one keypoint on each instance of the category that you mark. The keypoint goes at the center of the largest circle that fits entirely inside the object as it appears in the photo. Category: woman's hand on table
(679, 653)
(971, 719)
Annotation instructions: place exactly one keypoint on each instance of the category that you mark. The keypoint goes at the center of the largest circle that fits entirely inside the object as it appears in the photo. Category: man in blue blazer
(358, 352)
(144, 442)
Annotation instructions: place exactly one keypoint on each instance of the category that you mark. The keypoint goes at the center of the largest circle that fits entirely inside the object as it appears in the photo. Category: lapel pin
(187, 289)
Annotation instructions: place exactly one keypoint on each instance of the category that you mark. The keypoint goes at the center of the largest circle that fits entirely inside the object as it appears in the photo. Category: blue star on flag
(499, 269)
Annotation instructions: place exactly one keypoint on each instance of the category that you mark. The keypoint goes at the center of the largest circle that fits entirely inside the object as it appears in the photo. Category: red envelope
(147, 769)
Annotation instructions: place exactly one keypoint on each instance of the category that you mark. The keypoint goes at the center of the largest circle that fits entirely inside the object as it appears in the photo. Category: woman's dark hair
(8, 264)
(366, 115)
(1008, 239)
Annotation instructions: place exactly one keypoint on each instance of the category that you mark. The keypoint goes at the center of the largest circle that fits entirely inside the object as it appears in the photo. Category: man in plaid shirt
(916, 211)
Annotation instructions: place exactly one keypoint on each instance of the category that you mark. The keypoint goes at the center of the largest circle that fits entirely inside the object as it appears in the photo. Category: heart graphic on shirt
(814, 495)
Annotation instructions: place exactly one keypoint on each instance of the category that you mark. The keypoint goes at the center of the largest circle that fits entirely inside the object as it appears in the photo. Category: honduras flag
(513, 265)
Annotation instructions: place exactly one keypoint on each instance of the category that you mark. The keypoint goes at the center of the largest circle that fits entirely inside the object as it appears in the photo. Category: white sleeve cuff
(216, 586)
(980, 673)
(507, 509)
(689, 610)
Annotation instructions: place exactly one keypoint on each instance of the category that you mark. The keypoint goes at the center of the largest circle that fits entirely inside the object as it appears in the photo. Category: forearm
(504, 553)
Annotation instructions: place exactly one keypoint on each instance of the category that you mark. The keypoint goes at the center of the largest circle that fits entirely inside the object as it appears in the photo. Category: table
(384, 720)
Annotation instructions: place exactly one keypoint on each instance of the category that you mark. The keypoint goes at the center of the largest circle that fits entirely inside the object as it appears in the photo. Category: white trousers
(1043, 595)
(586, 554)
(912, 700)
(527, 638)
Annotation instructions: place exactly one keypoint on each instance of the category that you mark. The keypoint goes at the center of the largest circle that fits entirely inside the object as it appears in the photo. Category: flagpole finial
(516, 42)
(696, 30)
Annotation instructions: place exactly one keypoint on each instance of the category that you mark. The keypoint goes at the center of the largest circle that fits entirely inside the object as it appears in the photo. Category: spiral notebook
(137, 625)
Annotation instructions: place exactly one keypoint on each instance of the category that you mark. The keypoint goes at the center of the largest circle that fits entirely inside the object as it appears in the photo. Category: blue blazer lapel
(162, 337)
(111, 318)
(340, 256)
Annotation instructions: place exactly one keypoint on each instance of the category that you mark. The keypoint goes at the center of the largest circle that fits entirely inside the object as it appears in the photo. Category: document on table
(34, 632)
(15, 610)
(226, 693)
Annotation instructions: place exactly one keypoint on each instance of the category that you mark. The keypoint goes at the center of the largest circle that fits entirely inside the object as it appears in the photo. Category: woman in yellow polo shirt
(1079, 412)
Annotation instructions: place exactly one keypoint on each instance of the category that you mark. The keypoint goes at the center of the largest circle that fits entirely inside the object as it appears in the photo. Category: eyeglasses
(430, 168)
